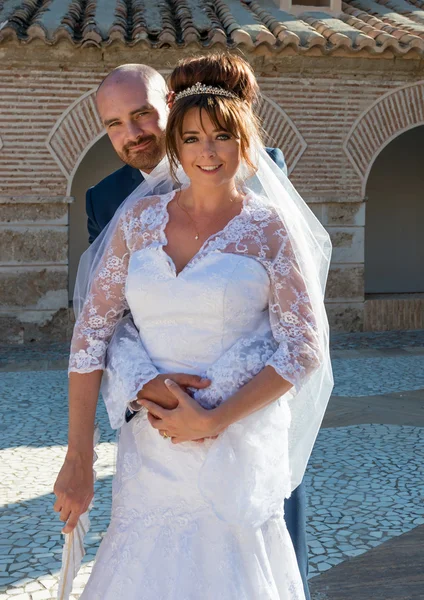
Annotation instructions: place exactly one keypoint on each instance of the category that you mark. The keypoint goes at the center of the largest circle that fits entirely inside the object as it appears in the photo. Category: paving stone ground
(365, 477)
(391, 571)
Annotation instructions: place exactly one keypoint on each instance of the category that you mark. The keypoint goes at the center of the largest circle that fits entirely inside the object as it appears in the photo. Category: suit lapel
(129, 179)
(136, 178)
(132, 179)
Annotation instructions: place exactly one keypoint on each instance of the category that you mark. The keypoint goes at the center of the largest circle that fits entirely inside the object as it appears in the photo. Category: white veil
(312, 249)
(159, 182)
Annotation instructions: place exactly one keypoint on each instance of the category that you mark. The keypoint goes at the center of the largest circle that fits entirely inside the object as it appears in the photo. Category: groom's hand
(156, 390)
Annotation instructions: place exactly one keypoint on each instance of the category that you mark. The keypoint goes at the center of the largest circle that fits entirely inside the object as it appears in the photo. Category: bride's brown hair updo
(234, 115)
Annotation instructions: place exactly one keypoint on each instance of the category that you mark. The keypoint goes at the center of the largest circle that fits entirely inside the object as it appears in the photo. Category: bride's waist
(192, 352)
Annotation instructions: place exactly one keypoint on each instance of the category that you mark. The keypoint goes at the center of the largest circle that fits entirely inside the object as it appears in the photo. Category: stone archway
(75, 131)
(390, 115)
(394, 243)
(376, 148)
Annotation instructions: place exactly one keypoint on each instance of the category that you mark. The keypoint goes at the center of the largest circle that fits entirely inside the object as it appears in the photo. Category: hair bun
(230, 72)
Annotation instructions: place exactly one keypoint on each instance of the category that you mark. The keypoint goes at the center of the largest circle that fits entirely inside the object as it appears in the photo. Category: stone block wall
(345, 288)
(33, 268)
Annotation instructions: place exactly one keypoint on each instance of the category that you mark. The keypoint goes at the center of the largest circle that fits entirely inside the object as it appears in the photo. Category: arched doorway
(394, 240)
(100, 160)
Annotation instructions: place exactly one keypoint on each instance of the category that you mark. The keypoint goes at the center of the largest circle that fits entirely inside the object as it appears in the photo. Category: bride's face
(209, 156)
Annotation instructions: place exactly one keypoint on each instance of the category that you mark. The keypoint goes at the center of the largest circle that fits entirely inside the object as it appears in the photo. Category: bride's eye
(190, 140)
(223, 136)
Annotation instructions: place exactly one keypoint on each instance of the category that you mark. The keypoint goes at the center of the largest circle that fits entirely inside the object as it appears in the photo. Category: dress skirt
(165, 542)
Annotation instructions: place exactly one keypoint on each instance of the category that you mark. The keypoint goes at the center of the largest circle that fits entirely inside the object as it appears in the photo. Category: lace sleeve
(292, 319)
(103, 307)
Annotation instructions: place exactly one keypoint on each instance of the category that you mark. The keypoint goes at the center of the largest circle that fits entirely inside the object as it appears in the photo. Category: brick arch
(73, 134)
(79, 127)
(281, 132)
(388, 117)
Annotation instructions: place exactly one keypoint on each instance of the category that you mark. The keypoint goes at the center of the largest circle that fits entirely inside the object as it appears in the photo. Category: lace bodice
(243, 280)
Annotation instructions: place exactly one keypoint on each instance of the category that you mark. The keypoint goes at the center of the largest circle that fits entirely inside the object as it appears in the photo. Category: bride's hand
(187, 422)
(74, 489)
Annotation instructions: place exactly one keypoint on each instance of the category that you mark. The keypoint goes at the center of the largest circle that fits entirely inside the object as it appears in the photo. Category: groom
(132, 104)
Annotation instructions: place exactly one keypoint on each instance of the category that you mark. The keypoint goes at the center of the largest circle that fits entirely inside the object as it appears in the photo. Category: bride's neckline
(197, 255)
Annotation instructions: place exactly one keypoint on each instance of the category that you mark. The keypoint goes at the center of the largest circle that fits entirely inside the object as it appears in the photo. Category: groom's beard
(146, 158)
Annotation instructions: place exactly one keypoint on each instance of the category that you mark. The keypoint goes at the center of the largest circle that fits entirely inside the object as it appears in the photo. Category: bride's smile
(209, 155)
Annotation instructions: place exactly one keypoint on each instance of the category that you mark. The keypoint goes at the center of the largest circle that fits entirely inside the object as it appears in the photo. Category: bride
(224, 277)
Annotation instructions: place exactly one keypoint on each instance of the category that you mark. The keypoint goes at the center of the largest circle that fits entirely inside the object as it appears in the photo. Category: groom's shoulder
(116, 180)
(277, 156)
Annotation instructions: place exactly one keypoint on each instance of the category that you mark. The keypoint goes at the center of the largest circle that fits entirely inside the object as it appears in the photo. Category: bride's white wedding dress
(200, 521)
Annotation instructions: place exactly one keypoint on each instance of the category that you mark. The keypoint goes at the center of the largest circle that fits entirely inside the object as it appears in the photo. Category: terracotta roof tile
(388, 15)
(337, 32)
(404, 8)
(374, 26)
(242, 24)
(378, 30)
(286, 27)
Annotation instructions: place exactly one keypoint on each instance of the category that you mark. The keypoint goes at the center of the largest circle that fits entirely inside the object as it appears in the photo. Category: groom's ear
(170, 99)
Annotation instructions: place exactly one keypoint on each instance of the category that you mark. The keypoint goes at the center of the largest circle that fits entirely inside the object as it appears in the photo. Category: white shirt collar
(147, 176)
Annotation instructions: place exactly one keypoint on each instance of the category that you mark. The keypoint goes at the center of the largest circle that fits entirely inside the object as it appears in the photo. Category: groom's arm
(128, 370)
(130, 375)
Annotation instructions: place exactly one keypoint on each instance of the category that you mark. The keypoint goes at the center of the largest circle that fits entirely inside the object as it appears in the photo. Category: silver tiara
(201, 88)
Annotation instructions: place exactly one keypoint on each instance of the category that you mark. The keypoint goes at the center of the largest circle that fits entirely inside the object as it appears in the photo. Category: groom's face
(134, 114)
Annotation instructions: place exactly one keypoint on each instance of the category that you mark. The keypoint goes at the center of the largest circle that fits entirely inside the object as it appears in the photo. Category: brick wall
(323, 107)
(47, 121)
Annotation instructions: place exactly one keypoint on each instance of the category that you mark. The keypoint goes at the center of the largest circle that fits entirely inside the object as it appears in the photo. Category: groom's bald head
(131, 101)
(148, 76)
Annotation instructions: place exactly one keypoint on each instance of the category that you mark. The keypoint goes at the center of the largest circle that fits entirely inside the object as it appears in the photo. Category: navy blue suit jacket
(102, 201)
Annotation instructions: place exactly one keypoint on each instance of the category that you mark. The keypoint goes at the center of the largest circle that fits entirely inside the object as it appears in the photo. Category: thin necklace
(197, 236)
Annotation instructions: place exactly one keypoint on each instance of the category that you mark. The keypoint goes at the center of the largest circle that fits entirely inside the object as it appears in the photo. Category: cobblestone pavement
(375, 375)
(364, 481)
(365, 485)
